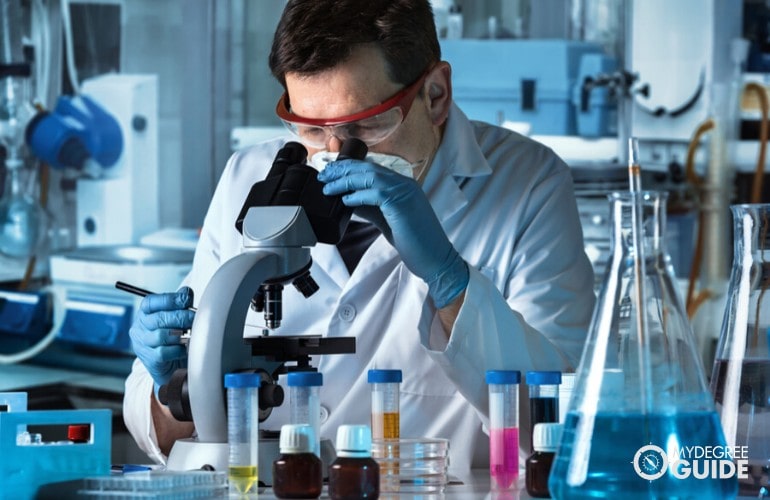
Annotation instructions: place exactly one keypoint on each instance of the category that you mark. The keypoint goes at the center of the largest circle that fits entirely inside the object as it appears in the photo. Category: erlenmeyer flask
(640, 397)
(740, 380)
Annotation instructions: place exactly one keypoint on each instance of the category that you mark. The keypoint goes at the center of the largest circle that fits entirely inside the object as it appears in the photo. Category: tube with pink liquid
(503, 428)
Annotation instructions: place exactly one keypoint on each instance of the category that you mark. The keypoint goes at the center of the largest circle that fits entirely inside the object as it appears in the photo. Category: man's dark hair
(315, 35)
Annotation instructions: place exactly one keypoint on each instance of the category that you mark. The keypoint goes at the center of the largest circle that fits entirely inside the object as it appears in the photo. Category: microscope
(283, 216)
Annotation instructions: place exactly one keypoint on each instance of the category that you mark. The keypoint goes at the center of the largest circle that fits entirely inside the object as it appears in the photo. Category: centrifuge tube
(543, 399)
(385, 403)
(242, 430)
(503, 428)
(305, 403)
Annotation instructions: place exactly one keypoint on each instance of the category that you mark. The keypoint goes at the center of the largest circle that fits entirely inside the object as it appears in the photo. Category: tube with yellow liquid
(386, 421)
(242, 430)
(385, 403)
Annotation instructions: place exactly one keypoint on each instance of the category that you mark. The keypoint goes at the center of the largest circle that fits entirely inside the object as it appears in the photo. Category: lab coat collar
(459, 156)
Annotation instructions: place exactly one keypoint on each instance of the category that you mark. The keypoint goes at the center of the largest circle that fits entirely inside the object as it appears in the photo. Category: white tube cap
(546, 437)
(297, 438)
(354, 441)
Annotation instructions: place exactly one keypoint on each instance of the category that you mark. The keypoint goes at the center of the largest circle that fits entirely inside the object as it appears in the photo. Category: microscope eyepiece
(353, 148)
(292, 153)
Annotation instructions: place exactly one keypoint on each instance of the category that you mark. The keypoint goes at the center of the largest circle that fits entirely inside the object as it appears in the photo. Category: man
(479, 264)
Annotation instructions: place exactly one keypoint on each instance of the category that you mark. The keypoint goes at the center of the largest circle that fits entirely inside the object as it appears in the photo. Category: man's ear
(438, 89)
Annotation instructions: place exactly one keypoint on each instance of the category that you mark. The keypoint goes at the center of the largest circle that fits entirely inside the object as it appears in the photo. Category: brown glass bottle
(538, 470)
(297, 475)
(354, 478)
(545, 439)
(354, 474)
(298, 472)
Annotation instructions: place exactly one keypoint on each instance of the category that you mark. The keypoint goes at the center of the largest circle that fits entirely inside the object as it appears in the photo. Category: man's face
(359, 84)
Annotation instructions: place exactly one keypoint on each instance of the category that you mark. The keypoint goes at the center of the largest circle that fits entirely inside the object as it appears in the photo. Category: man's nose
(333, 144)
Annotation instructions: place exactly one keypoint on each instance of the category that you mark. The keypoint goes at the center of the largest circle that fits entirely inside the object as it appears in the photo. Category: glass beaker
(740, 380)
(640, 403)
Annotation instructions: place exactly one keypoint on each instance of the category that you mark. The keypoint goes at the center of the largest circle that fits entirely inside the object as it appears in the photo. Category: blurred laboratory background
(117, 118)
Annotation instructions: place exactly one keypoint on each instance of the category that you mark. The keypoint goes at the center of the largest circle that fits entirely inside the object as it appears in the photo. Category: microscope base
(190, 454)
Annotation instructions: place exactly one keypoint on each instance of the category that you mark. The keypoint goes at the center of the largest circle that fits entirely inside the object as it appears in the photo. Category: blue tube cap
(305, 379)
(238, 380)
(384, 376)
(543, 378)
(503, 376)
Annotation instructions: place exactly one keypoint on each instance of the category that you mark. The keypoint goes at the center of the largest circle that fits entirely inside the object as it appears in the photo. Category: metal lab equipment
(740, 380)
(640, 386)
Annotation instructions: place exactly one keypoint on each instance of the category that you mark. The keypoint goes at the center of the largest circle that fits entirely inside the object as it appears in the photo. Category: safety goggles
(371, 125)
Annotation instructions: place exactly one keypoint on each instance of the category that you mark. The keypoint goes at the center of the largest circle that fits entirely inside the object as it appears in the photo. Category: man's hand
(159, 350)
(397, 205)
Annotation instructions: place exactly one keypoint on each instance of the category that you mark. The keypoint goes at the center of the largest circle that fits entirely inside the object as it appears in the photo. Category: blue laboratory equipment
(641, 413)
(27, 464)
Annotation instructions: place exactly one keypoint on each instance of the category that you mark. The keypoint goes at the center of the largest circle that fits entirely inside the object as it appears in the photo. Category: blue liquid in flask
(615, 440)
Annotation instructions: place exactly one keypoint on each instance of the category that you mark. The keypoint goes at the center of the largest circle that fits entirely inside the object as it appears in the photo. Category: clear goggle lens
(370, 130)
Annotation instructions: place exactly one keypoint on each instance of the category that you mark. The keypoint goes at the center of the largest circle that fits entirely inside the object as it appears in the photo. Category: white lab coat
(506, 203)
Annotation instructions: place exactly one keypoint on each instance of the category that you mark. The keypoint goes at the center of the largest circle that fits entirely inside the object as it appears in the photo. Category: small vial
(385, 403)
(543, 399)
(305, 402)
(354, 474)
(503, 428)
(297, 473)
(546, 439)
(242, 430)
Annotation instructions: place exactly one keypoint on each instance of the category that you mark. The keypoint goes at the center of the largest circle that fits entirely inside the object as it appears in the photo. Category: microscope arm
(277, 243)
(218, 328)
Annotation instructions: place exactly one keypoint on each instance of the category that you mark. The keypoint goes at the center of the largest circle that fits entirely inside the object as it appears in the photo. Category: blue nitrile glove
(406, 219)
(160, 351)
